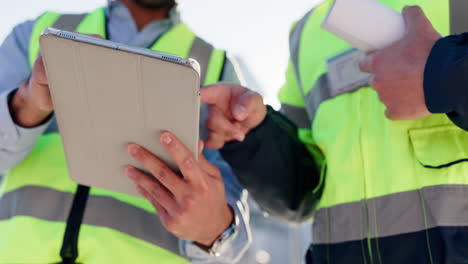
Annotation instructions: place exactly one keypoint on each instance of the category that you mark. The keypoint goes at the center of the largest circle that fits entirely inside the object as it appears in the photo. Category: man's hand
(32, 103)
(193, 207)
(234, 111)
(398, 70)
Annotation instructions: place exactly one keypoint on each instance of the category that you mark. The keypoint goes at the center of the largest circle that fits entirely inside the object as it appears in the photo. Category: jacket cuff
(13, 136)
(439, 82)
(251, 141)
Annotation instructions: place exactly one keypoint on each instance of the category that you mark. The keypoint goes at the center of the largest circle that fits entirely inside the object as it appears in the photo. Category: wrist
(23, 111)
(227, 220)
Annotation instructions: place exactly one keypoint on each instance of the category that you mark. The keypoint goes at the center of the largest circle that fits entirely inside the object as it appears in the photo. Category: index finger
(157, 168)
(211, 94)
(182, 156)
(39, 72)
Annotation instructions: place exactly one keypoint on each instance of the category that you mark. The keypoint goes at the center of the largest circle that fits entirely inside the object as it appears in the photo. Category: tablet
(107, 95)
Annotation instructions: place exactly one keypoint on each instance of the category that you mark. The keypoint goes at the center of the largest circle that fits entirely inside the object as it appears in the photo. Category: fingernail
(240, 110)
(130, 172)
(133, 149)
(166, 139)
(189, 163)
(201, 146)
(240, 137)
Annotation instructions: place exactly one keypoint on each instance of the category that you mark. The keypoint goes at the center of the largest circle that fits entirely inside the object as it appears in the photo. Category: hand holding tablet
(106, 95)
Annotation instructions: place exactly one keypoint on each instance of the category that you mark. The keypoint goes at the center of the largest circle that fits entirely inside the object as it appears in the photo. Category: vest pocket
(439, 147)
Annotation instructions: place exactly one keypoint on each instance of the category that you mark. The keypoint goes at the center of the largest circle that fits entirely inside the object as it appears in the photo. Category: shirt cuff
(232, 249)
(13, 136)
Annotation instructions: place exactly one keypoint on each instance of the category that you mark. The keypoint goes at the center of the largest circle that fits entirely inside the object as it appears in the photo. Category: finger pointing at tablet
(193, 207)
(234, 111)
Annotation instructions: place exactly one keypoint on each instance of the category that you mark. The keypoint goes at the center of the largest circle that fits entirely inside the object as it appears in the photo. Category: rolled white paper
(366, 24)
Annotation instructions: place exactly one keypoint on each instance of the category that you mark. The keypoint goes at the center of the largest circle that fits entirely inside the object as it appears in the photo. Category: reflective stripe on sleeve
(298, 115)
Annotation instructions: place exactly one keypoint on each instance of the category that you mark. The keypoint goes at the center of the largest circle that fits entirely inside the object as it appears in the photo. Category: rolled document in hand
(366, 24)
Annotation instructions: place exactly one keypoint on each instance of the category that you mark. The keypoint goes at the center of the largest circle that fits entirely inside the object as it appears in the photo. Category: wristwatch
(225, 236)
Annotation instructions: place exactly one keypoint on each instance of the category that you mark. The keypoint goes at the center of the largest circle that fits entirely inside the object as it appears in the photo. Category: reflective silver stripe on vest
(298, 115)
(458, 17)
(319, 93)
(69, 22)
(322, 90)
(331, 227)
(100, 211)
(201, 51)
(399, 213)
(294, 46)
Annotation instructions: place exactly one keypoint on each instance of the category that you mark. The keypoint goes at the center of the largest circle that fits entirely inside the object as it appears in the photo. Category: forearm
(445, 79)
(16, 142)
(277, 169)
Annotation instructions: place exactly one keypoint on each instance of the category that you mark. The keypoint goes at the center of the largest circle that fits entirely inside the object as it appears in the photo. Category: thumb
(38, 72)
(245, 105)
(415, 19)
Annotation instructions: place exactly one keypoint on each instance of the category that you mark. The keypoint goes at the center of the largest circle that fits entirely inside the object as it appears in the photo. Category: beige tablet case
(105, 98)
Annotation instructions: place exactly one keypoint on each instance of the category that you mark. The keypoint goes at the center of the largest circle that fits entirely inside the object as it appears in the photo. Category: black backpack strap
(69, 251)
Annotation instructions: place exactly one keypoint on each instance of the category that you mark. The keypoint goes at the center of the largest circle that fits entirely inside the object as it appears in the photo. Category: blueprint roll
(366, 24)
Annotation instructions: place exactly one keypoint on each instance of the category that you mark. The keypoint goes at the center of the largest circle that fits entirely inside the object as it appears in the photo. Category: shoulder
(19, 37)
(23, 30)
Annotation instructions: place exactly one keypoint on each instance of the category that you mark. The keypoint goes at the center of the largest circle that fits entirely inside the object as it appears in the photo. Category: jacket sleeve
(446, 79)
(278, 163)
(16, 142)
